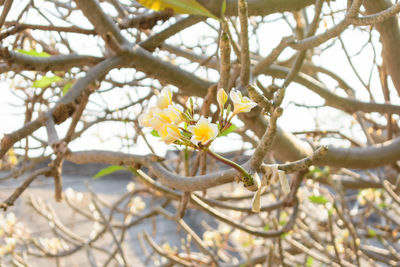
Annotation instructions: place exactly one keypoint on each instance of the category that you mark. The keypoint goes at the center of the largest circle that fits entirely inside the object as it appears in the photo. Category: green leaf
(109, 170)
(33, 53)
(178, 6)
(266, 227)
(330, 211)
(155, 133)
(45, 81)
(382, 205)
(318, 199)
(246, 244)
(66, 87)
(372, 232)
(223, 8)
(230, 129)
(310, 261)
(186, 134)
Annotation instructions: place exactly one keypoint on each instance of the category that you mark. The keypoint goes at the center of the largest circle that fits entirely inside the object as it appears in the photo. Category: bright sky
(294, 118)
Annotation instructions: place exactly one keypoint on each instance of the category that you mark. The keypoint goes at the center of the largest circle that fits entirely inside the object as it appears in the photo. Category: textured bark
(390, 39)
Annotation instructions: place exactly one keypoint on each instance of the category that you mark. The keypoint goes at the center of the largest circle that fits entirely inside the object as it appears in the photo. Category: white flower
(169, 133)
(203, 131)
(136, 205)
(159, 118)
(130, 187)
(212, 238)
(241, 103)
(164, 99)
(146, 119)
(73, 195)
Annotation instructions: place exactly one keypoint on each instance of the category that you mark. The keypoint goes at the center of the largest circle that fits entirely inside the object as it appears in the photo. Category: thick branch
(157, 39)
(165, 72)
(54, 63)
(167, 178)
(288, 147)
(103, 24)
(346, 104)
(389, 37)
(6, 8)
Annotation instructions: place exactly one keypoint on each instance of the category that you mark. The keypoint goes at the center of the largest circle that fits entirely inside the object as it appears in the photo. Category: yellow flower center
(202, 133)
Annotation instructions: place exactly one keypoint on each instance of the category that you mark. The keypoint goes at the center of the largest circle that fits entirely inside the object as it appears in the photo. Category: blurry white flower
(97, 227)
(242, 239)
(136, 205)
(164, 99)
(53, 245)
(73, 195)
(130, 187)
(370, 194)
(212, 238)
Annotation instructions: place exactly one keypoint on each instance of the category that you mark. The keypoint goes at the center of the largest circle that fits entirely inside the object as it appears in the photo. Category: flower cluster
(175, 124)
(370, 194)
(12, 232)
(53, 245)
(9, 160)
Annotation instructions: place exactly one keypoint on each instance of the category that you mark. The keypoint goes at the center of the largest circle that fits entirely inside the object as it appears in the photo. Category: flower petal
(203, 131)
(222, 97)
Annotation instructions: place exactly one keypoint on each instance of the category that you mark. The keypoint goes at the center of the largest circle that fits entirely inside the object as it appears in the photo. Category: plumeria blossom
(241, 103)
(222, 97)
(146, 119)
(164, 99)
(164, 121)
(169, 133)
(203, 132)
(179, 126)
(166, 116)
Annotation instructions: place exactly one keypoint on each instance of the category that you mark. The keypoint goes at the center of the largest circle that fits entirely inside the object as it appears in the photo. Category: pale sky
(293, 119)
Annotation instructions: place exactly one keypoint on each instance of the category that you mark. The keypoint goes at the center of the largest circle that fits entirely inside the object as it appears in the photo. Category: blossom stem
(247, 179)
(231, 117)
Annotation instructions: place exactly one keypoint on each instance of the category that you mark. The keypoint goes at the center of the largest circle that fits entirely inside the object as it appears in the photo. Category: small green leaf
(310, 261)
(285, 234)
(33, 53)
(230, 129)
(266, 227)
(330, 211)
(66, 87)
(372, 232)
(186, 134)
(155, 133)
(45, 81)
(318, 199)
(247, 243)
(109, 170)
(382, 205)
(223, 8)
